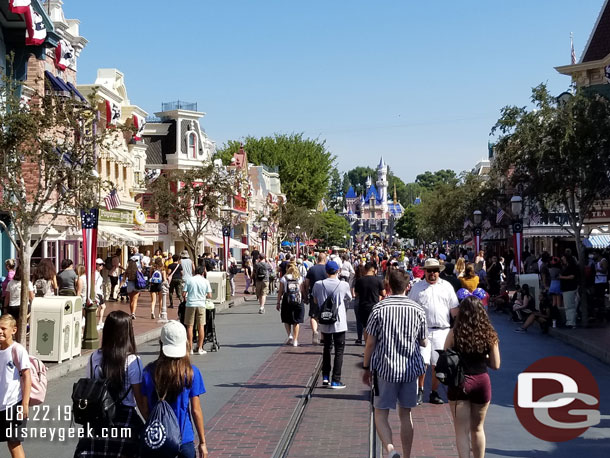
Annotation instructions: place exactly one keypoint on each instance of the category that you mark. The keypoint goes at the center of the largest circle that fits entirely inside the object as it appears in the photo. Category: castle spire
(395, 201)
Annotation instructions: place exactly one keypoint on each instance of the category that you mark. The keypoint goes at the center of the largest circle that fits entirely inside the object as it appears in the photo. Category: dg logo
(155, 435)
(557, 399)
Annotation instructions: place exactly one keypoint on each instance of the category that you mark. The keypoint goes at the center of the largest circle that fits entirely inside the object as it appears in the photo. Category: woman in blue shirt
(173, 373)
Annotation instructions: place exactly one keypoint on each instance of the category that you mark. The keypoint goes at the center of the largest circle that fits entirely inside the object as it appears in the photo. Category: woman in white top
(117, 361)
(12, 300)
(290, 303)
(347, 271)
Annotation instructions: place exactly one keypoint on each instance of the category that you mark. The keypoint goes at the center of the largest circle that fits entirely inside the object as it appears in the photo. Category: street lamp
(264, 222)
(516, 205)
(476, 216)
(297, 241)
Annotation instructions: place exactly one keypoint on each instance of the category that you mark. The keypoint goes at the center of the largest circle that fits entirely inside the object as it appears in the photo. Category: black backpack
(92, 402)
(261, 271)
(449, 369)
(329, 310)
(292, 295)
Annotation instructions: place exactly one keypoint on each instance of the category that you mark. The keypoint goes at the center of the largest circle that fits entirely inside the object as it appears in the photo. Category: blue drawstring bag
(140, 280)
(161, 437)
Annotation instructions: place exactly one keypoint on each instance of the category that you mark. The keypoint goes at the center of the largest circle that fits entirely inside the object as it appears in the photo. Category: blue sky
(418, 82)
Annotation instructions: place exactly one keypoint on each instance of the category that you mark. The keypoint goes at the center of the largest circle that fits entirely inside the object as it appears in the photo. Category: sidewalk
(593, 341)
(145, 328)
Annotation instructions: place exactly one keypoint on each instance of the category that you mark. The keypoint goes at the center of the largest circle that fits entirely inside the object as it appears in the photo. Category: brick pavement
(253, 421)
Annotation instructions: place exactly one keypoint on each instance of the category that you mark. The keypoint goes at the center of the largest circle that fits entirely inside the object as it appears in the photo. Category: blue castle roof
(351, 194)
(372, 192)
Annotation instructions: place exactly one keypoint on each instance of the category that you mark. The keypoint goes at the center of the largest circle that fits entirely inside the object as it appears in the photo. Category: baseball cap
(442, 256)
(332, 267)
(299, 261)
(173, 338)
(99, 261)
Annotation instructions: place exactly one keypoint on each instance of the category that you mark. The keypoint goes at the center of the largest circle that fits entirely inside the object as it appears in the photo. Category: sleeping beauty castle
(372, 215)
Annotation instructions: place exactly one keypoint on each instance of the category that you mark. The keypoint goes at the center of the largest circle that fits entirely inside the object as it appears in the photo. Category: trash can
(77, 324)
(218, 281)
(52, 326)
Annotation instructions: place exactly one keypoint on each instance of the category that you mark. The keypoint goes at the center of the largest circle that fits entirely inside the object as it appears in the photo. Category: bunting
(36, 31)
(226, 245)
(89, 220)
(64, 55)
(113, 113)
(138, 122)
(20, 6)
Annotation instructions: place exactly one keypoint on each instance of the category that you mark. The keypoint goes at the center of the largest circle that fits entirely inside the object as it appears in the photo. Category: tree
(335, 191)
(558, 153)
(357, 177)
(406, 227)
(304, 164)
(429, 180)
(331, 229)
(191, 199)
(48, 150)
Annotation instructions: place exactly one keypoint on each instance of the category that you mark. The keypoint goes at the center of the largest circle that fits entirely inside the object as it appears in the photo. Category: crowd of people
(409, 307)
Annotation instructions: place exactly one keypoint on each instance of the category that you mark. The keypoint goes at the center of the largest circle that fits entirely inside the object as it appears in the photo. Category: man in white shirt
(438, 299)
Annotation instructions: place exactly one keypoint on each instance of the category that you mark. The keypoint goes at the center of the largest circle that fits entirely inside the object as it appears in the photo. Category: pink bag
(38, 372)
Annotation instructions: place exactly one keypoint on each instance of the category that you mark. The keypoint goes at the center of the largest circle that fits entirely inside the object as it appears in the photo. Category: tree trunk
(25, 255)
(584, 300)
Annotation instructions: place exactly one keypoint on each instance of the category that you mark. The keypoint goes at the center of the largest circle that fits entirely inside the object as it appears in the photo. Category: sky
(420, 83)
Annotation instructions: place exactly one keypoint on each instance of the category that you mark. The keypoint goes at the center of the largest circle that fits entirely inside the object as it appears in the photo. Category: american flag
(573, 54)
(112, 200)
(499, 216)
(89, 219)
(467, 223)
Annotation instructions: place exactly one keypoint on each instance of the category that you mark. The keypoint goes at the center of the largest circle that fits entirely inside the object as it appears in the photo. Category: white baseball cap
(99, 261)
(173, 339)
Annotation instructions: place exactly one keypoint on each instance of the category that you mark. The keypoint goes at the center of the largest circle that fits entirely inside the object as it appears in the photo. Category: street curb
(74, 364)
(603, 354)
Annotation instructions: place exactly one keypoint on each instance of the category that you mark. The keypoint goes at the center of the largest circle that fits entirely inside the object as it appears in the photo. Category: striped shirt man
(398, 325)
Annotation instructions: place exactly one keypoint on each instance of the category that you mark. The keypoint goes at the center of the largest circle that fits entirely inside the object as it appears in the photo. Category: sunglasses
(433, 271)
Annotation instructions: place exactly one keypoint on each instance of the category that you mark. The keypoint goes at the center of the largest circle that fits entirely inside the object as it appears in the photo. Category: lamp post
(516, 205)
(264, 222)
(226, 247)
(476, 216)
(297, 241)
(344, 241)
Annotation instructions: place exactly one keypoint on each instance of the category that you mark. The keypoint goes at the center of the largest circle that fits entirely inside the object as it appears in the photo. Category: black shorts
(155, 287)
(313, 308)
(11, 424)
(364, 311)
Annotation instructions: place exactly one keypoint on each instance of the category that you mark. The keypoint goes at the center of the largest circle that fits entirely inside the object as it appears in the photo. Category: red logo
(557, 399)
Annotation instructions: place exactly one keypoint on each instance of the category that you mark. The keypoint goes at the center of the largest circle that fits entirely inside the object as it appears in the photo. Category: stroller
(209, 328)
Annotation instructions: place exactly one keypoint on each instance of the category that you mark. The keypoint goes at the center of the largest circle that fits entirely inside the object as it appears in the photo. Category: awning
(116, 234)
(597, 241)
(217, 242)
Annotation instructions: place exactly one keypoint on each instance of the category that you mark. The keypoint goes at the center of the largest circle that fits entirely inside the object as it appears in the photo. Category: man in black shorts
(369, 290)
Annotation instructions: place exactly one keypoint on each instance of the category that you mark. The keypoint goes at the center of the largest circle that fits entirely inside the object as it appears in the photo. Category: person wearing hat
(187, 265)
(440, 302)
(173, 378)
(333, 333)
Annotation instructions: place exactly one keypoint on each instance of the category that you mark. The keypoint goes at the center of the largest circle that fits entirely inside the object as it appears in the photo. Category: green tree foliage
(304, 164)
(335, 191)
(558, 153)
(204, 191)
(406, 226)
(331, 228)
(47, 172)
(357, 178)
(429, 180)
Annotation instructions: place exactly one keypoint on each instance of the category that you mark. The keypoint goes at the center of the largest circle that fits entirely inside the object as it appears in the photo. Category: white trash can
(52, 327)
(218, 281)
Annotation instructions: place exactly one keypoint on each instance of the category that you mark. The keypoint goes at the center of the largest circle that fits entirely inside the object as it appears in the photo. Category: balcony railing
(178, 105)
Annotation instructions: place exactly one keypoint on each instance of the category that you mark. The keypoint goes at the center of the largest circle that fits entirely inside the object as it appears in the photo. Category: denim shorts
(405, 393)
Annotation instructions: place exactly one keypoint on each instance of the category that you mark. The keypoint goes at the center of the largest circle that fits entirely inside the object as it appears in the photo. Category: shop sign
(116, 216)
(600, 213)
(152, 228)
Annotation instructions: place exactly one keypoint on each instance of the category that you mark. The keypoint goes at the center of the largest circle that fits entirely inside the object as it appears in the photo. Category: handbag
(209, 304)
(170, 276)
(449, 369)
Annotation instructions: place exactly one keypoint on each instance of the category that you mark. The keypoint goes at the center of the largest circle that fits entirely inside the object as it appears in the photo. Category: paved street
(249, 376)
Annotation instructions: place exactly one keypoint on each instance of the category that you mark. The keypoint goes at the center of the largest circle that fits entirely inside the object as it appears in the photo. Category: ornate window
(192, 145)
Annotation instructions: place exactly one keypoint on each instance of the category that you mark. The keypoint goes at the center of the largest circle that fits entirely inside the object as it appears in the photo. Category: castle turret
(382, 183)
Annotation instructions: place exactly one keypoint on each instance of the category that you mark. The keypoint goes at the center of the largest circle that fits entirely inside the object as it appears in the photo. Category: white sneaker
(192, 352)
(295, 343)
(100, 326)
(290, 337)
(261, 310)
(315, 338)
(202, 351)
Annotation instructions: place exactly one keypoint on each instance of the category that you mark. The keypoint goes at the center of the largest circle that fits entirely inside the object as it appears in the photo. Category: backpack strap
(15, 358)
